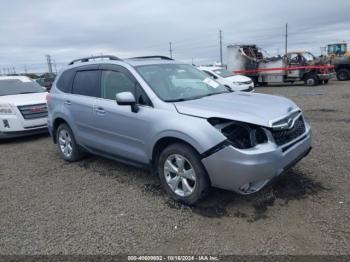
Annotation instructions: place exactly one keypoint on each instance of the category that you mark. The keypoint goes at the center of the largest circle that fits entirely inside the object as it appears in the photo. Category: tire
(67, 145)
(325, 82)
(311, 80)
(343, 74)
(183, 185)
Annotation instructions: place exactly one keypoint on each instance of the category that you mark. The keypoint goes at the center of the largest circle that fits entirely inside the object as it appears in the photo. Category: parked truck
(340, 58)
(294, 66)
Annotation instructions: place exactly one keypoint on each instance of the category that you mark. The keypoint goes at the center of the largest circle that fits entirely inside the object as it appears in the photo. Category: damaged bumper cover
(249, 170)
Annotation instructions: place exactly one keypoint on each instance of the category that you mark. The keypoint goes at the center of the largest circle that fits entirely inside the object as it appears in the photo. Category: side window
(113, 82)
(141, 97)
(86, 83)
(64, 83)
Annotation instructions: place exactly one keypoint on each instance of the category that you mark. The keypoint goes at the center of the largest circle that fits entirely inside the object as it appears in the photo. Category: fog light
(6, 123)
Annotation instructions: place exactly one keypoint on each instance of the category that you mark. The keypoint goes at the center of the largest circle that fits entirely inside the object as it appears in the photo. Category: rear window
(64, 83)
(86, 83)
(16, 87)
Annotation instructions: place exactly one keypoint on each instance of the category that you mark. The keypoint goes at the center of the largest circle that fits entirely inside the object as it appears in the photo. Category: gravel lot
(99, 206)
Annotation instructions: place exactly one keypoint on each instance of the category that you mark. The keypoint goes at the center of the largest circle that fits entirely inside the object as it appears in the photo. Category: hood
(258, 109)
(238, 78)
(24, 99)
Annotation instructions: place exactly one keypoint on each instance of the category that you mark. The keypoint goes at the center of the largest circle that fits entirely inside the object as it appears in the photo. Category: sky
(72, 29)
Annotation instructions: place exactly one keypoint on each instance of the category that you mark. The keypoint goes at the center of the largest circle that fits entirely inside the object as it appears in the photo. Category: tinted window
(64, 83)
(86, 83)
(113, 82)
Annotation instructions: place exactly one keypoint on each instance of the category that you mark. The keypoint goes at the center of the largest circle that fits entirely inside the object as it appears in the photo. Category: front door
(122, 133)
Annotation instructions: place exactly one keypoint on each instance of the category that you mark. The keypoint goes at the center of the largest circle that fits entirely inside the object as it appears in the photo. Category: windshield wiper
(176, 100)
(195, 97)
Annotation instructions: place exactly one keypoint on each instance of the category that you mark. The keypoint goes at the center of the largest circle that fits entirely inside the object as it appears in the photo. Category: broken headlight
(240, 135)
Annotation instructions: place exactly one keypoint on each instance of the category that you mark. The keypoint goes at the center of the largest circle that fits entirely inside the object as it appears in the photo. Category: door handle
(100, 110)
(67, 102)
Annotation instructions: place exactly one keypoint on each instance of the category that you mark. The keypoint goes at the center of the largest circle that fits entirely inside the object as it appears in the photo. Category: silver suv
(172, 118)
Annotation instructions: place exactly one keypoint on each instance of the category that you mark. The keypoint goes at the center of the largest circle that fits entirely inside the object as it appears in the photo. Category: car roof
(21, 78)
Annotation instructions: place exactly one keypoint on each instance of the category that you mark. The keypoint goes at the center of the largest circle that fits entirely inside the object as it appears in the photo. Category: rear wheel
(343, 74)
(182, 173)
(67, 146)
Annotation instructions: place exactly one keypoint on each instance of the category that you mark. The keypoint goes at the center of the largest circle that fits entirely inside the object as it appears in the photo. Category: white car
(23, 109)
(228, 79)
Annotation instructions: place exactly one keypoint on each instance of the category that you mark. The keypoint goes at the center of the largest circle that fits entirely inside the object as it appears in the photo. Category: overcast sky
(71, 29)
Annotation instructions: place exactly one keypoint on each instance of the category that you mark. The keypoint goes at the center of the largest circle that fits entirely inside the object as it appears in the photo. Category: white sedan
(228, 79)
(23, 109)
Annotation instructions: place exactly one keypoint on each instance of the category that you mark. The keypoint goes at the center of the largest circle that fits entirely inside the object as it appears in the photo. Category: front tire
(182, 173)
(311, 80)
(67, 146)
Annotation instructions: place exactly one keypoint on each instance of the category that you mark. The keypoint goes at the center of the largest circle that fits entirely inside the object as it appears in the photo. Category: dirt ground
(97, 206)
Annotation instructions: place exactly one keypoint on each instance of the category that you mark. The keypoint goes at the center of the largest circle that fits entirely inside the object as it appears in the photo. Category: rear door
(121, 132)
(85, 90)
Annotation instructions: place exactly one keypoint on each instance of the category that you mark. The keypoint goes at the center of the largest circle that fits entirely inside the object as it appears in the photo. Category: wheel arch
(165, 141)
(56, 123)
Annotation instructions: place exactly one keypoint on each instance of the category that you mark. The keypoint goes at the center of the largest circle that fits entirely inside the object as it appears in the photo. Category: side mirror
(127, 99)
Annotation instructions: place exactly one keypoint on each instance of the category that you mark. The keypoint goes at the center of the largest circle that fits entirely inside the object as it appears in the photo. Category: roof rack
(86, 59)
(152, 57)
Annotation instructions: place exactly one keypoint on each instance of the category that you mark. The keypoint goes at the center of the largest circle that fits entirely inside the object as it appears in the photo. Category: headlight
(236, 83)
(240, 135)
(5, 109)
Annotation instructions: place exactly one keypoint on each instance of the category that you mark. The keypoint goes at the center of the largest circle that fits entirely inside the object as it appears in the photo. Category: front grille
(33, 111)
(284, 136)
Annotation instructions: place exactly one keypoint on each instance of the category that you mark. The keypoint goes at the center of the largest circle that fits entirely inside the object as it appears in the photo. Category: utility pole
(220, 40)
(170, 50)
(55, 65)
(14, 70)
(286, 40)
(49, 63)
(25, 69)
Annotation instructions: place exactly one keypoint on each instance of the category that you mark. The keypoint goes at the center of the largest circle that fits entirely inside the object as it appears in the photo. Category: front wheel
(311, 80)
(182, 173)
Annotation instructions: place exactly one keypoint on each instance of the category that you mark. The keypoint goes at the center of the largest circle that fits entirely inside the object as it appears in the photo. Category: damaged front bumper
(249, 170)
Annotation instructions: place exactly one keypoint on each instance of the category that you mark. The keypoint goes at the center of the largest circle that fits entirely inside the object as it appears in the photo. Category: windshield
(223, 72)
(16, 86)
(308, 56)
(174, 82)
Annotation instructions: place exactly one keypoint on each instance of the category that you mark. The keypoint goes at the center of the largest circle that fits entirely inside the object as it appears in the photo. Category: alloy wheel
(65, 143)
(180, 175)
